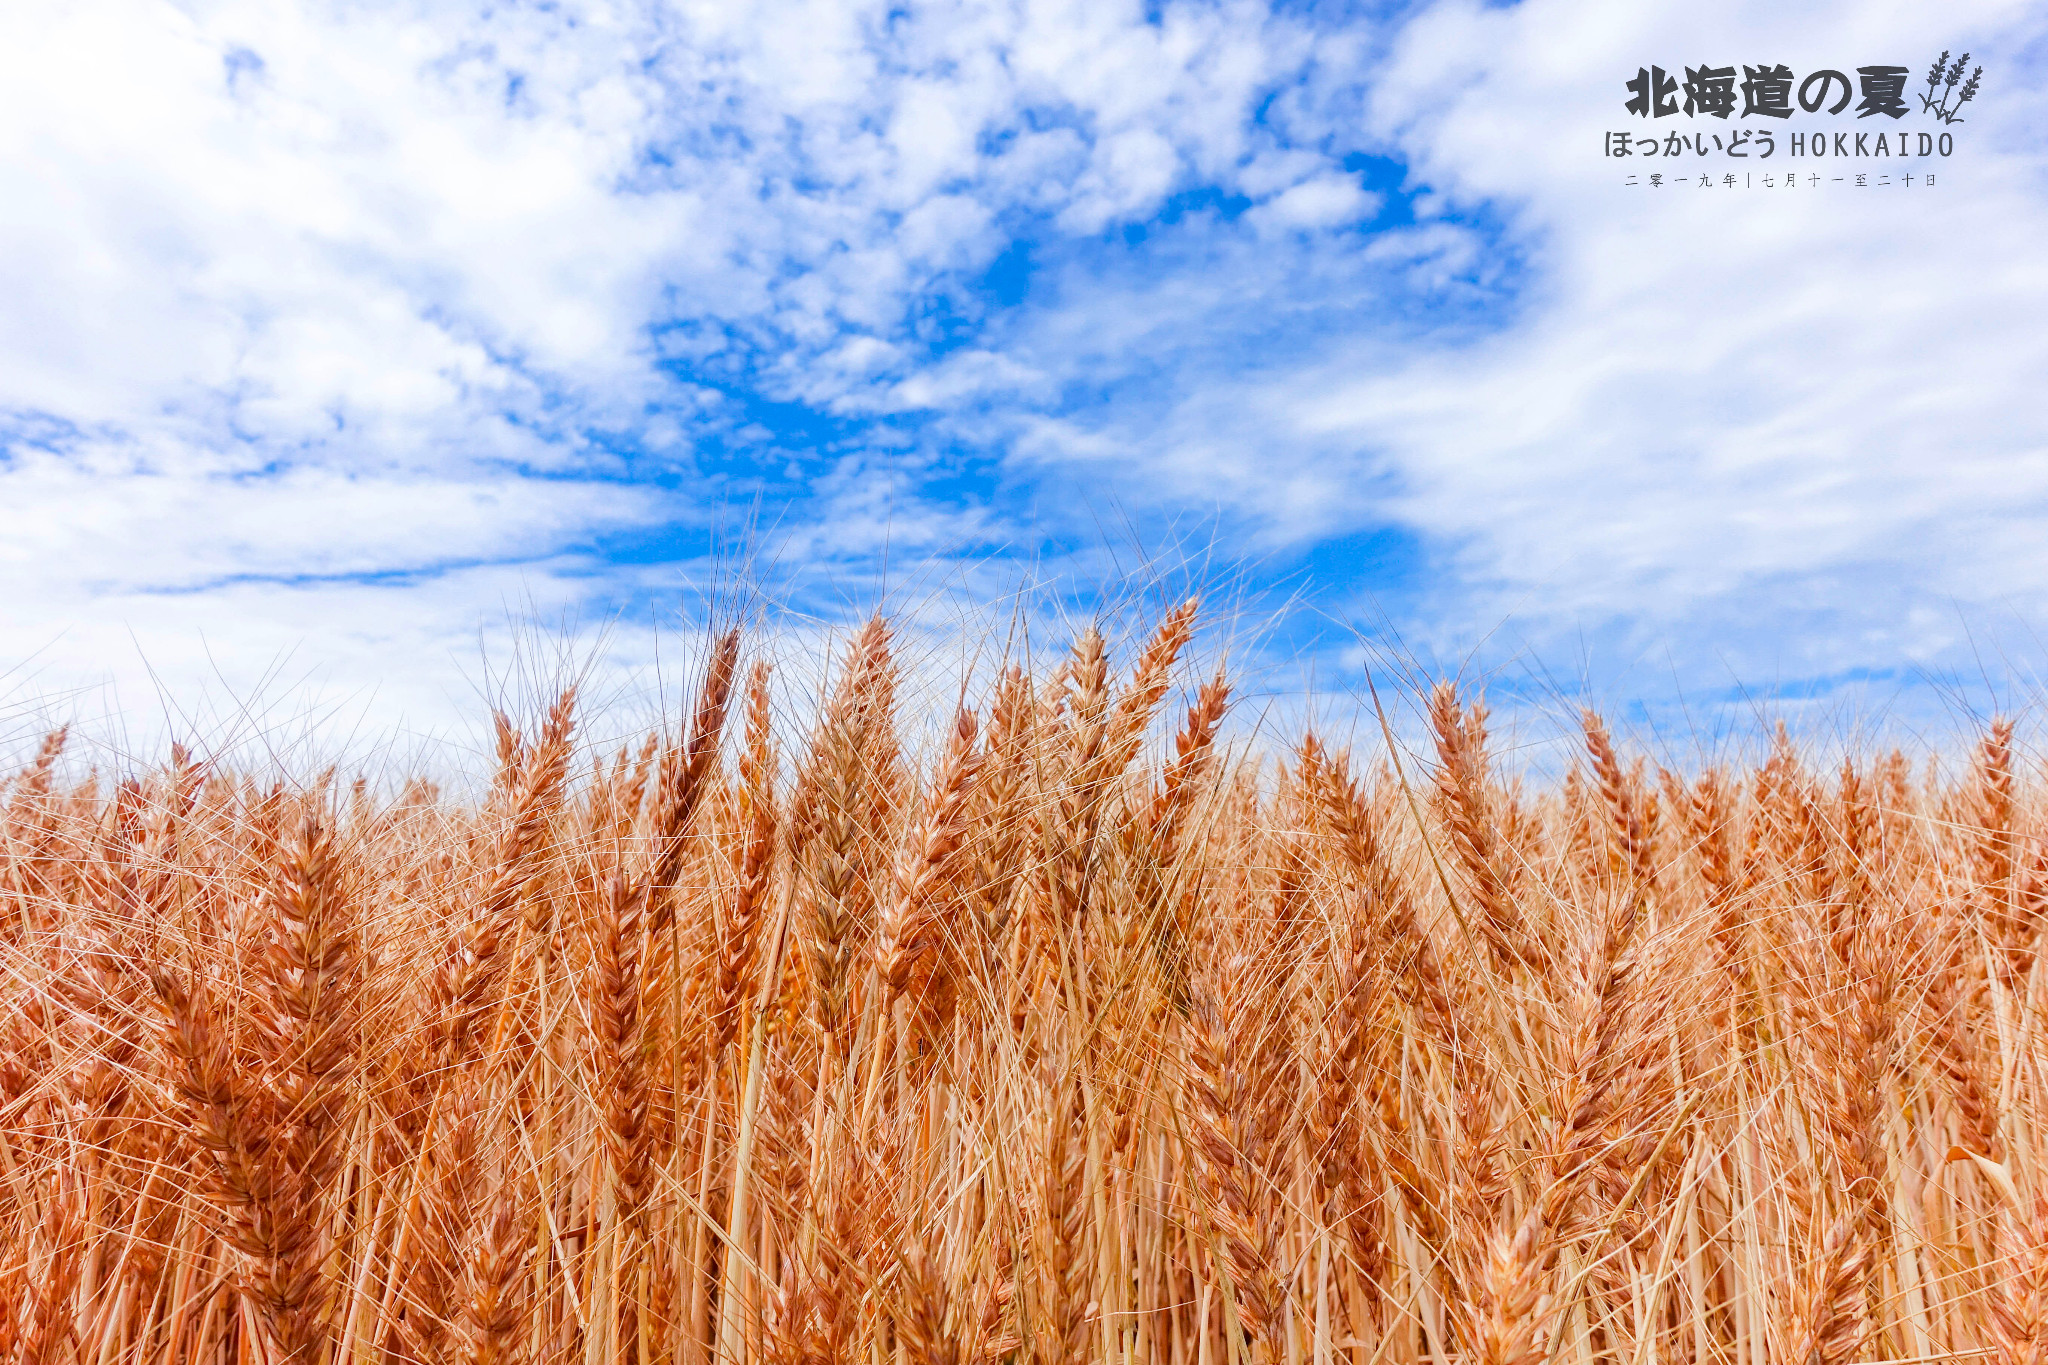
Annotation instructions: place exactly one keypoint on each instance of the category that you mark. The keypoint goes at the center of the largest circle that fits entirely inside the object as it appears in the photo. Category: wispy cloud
(326, 322)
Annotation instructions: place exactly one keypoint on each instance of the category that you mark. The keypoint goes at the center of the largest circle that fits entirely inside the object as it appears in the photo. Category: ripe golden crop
(1065, 1041)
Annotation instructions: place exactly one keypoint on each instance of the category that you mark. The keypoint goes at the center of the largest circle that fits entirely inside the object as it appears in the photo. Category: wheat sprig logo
(1941, 88)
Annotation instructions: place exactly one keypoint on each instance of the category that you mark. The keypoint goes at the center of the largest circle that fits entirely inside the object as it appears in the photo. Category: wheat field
(1077, 1036)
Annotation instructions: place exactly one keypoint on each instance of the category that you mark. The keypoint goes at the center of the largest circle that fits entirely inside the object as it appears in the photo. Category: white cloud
(302, 294)
(1731, 427)
(390, 215)
(1717, 394)
(1323, 202)
(302, 290)
(963, 375)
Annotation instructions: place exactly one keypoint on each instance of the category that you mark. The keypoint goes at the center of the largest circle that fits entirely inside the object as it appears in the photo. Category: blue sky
(337, 330)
